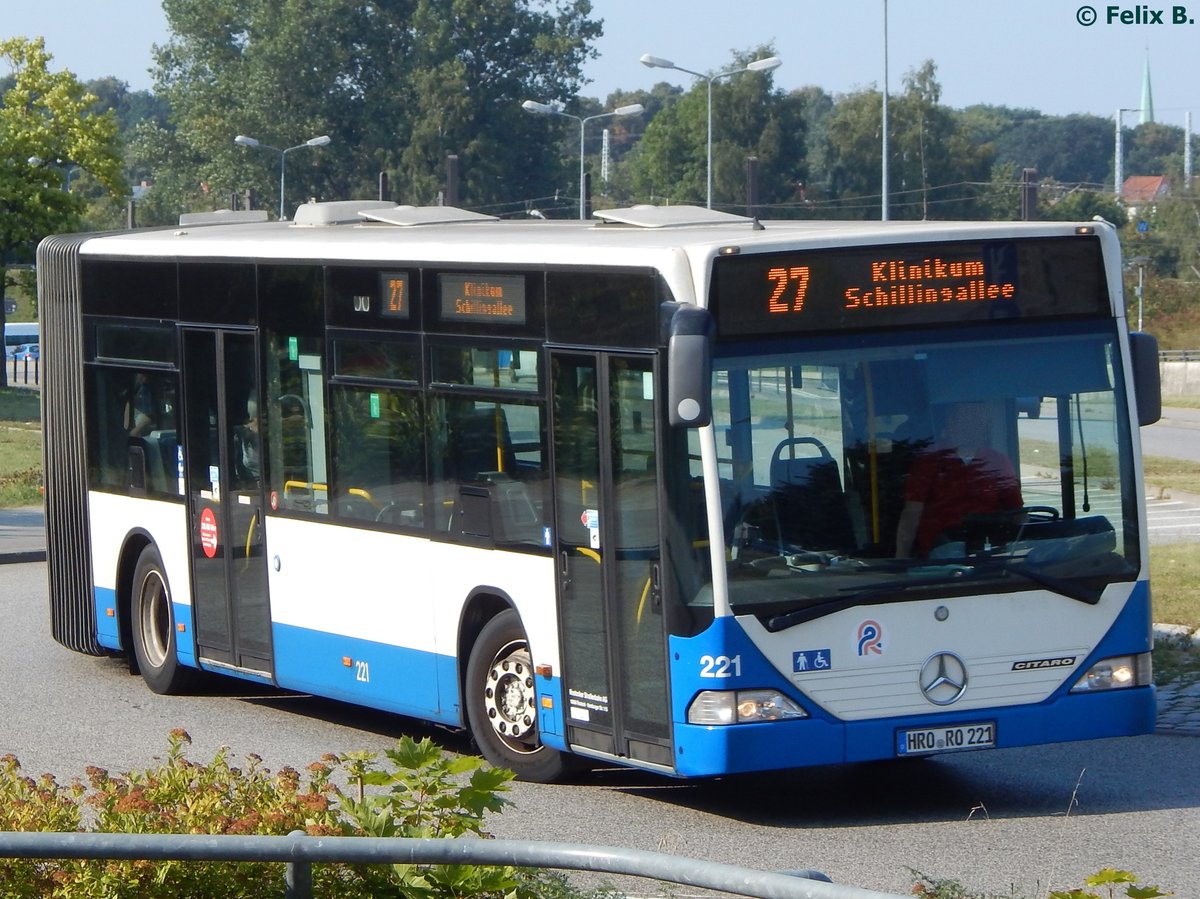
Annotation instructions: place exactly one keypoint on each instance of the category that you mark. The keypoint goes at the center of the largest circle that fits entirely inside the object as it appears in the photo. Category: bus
(19, 333)
(620, 491)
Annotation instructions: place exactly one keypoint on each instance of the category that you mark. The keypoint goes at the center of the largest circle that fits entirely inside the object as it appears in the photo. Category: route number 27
(720, 666)
(791, 286)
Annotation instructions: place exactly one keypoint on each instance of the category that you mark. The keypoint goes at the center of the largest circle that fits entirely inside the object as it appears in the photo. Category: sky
(1020, 53)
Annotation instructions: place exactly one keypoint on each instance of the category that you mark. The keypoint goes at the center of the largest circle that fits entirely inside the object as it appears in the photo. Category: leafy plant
(1111, 878)
(419, 792)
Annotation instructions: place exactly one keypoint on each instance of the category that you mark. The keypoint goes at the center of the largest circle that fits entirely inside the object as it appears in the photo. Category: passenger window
(504, 366)
(295, 419)
(488, 466)
(379, 455)
(133, 445)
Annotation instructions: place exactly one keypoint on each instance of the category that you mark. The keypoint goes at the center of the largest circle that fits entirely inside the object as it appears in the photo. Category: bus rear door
(222, 449)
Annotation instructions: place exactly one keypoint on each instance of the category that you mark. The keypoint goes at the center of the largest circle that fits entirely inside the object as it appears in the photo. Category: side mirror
(1147, 380)
(690, 333)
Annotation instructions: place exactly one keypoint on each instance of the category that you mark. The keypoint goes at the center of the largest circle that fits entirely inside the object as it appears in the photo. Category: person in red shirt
(960, 475)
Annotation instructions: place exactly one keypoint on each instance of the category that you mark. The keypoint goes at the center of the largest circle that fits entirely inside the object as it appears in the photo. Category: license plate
(922, 740)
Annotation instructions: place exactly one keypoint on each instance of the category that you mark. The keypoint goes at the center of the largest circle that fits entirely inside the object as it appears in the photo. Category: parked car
(25, 352)
(10, 306)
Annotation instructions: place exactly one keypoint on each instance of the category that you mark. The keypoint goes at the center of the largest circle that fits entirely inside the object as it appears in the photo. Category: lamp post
(1119, 154)
(67, 168)
(532, 106)
(759, 65)
(245, 141)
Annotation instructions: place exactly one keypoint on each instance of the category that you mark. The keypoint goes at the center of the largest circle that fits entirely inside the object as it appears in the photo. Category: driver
(960, 475)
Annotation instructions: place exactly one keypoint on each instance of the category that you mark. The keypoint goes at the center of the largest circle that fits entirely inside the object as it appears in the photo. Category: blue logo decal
(811, 660)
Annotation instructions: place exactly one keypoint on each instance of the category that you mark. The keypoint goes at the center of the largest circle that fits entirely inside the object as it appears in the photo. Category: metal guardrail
(1179, 356)
(300, 851)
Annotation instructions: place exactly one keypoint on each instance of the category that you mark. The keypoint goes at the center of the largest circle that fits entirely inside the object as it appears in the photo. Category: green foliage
(49, 132)
(48, 128)
(20, 448)
(941, 888)
(418, 793)
(1111, 878)
(424, 796)
(749, 117)
(398, 86)
(934, 164)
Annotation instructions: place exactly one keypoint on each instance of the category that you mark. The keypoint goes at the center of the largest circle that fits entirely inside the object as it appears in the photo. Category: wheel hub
(509, 695)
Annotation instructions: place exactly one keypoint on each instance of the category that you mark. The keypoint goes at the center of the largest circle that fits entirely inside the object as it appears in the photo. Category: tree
(750, 118)
(49, 132)
(397, 84)
(934, 167)
(1070, 149)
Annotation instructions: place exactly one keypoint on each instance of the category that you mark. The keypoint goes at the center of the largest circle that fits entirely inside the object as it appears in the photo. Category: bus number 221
(720, 666)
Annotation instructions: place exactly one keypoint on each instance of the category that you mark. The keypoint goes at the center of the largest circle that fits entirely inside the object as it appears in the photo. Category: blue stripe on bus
(391, 678)
(104, 607)
(705, 751)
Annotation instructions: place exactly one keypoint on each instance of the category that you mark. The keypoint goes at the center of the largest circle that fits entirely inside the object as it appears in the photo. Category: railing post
(297, 877)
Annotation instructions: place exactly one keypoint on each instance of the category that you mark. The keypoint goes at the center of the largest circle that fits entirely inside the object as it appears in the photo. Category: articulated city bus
(660, 489)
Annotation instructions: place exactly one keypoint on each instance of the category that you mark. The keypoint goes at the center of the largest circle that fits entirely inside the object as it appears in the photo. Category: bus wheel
(502, 705)
(154, 626)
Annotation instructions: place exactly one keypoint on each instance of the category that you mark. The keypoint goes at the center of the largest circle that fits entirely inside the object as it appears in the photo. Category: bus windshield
(970, 461)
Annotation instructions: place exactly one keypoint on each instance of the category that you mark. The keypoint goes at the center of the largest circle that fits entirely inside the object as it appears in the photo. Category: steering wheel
(1040, 513)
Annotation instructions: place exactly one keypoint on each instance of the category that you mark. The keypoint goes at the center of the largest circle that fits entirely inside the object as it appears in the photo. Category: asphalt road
(1014, 820)
(1176, 435)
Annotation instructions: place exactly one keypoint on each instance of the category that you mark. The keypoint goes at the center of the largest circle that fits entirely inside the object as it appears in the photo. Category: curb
(1177, 633)
(16, 558)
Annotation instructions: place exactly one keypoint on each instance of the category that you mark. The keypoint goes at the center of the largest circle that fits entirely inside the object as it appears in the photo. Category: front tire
(154, 627)
(502, 703)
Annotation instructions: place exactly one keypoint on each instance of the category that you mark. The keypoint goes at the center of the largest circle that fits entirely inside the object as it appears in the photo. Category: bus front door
(225, 499)
(608, 546)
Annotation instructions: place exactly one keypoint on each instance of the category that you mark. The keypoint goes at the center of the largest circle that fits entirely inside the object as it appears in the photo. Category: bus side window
(379, 455)
(500, 445)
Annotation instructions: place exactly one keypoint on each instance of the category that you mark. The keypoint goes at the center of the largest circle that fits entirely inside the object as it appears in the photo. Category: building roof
(1143, 188)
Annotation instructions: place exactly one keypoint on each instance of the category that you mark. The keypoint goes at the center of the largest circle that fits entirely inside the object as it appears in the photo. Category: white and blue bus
(625, 490)
(18, 333)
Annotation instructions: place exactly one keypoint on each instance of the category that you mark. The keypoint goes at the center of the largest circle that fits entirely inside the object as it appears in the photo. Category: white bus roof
(678, 241)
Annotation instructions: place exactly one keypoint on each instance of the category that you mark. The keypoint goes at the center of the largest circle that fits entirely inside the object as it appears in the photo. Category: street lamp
(245, 141)
(67, 168)
(1119, 154)
(759, 65)
(537, 108)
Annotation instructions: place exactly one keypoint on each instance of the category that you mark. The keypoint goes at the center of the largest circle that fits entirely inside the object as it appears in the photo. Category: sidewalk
(22, 535)
(23, 539)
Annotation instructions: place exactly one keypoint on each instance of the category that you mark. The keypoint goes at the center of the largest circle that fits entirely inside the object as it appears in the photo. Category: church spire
(1147, 97)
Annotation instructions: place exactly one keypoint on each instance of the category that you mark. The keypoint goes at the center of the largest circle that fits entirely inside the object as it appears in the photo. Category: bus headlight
(742, 707)
(1116, 673)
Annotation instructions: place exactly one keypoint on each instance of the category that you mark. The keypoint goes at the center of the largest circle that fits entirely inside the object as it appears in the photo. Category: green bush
(420, 793)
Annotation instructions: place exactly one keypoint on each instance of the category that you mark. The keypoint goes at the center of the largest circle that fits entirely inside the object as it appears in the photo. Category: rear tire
(153, 627)
(502, 703)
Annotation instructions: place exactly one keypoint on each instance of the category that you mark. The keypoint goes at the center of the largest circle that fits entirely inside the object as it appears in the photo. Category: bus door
(609, 550)
(225, 500)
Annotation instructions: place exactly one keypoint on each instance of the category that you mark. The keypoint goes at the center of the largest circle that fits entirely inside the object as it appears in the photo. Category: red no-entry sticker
(208, 533)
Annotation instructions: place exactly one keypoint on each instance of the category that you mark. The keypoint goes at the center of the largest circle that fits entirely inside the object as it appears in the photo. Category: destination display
(908, 285)
(497, 299)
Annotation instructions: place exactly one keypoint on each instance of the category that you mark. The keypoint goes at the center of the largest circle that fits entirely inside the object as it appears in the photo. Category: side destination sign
(496, 299)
